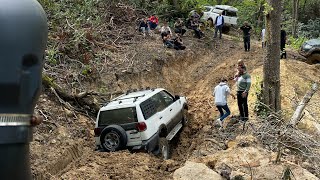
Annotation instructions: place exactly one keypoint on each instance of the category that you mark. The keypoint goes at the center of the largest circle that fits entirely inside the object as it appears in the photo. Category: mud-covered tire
(313, 58)
(225, 29)
(113, 138)
(164, 148)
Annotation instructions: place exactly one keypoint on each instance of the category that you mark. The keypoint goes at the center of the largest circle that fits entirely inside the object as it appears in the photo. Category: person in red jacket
(153, 21)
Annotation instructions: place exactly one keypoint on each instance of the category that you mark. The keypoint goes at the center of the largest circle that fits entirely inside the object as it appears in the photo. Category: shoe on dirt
(219, 122)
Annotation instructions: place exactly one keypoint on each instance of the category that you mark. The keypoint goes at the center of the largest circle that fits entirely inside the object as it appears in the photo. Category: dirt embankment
(63, 145)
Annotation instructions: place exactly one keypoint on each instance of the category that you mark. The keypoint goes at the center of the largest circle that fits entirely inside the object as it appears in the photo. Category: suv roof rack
(136, 97)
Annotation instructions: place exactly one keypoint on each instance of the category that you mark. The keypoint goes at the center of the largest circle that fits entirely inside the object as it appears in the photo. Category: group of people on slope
(222, 90)
(167, 36)
(148, 24)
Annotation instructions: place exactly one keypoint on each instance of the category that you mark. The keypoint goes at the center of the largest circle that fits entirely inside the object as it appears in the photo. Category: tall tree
(271, 67)
(295, 4)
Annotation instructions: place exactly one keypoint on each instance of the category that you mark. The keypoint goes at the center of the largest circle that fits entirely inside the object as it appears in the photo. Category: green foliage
(267, 8)
(86, 70)
(296, 43)
(70, 23)
(250, 11)
(259, 107)
(311, 29)
(247, 10)
(196, 4)
(52, 56)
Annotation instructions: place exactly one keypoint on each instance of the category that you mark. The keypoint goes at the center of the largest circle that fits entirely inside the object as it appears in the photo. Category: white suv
(146, 119)
(228, 12)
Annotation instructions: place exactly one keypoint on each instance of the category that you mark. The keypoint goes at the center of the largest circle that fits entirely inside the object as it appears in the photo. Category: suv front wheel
(314, 58)
(164, 148)
(113, 138)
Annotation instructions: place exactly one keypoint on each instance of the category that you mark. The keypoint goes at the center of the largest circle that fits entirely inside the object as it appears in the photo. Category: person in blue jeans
(220, 93)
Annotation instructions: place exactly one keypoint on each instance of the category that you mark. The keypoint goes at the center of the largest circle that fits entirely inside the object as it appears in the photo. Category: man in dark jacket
(246, 35)
(218, 25)
(283, 44)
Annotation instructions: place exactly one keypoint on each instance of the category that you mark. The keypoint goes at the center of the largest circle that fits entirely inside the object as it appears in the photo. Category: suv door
(172, 112)
(151, 117)
(232, 15)
(124, 117)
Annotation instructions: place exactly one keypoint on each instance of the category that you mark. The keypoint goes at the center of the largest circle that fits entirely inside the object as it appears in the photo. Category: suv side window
(231, 14)
(148, 108)
(159, 102)
(156, 103)
(207, 9)
(168, 99)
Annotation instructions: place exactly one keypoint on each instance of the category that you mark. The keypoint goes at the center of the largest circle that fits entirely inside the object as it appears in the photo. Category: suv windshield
(118, 116)
(207, 9)
(218, 11)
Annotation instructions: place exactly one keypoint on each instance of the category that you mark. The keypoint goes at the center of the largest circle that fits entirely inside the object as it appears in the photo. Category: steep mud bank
(187, 73)
(192, 75)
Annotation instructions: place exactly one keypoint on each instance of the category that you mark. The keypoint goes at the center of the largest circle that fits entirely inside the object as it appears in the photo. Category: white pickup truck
(228, 12)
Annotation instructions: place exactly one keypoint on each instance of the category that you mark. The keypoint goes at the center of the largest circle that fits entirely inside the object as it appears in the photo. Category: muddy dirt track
(63, 148)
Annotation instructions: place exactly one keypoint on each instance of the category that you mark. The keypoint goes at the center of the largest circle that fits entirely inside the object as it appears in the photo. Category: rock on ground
(195, 171)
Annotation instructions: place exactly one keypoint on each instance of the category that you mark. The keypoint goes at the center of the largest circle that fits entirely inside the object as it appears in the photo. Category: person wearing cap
(220, 93)
(246, 28)
(243, 82)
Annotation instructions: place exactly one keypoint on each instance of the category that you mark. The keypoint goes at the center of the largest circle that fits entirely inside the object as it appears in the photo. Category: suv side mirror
(176, 97)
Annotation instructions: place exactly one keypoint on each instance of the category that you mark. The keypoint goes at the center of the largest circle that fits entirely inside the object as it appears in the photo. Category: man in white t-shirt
(263, 37)
(220, 94)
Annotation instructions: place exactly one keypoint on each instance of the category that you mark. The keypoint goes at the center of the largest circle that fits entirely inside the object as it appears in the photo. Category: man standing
(246, 35)
(220, 94)
(218, 25)
(243, 87)
(283, 44)
(263, 37)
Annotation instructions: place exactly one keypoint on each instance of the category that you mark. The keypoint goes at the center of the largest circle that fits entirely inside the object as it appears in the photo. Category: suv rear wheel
(164, 148)
(113, 138)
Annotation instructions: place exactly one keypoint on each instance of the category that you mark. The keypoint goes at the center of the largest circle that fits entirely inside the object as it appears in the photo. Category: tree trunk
(271, 67)
(295, 17)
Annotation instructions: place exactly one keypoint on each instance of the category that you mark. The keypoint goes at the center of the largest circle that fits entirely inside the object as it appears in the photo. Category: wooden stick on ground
(297, 114)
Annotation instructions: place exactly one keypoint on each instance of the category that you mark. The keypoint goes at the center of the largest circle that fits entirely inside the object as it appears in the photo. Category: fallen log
(297, 114)
(82, 102)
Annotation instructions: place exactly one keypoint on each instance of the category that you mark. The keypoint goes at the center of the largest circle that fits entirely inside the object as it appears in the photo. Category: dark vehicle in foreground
(311, 50)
